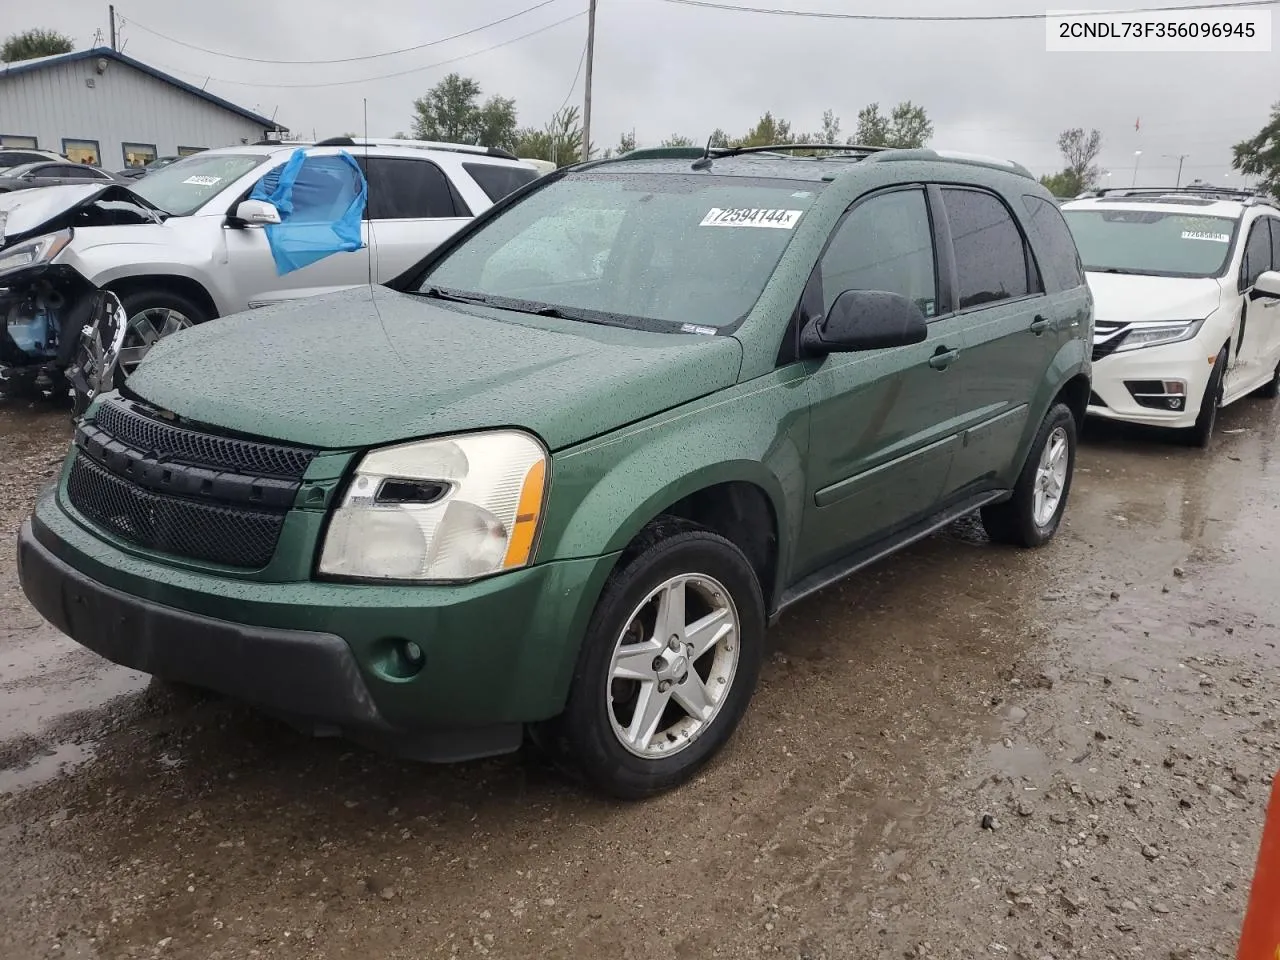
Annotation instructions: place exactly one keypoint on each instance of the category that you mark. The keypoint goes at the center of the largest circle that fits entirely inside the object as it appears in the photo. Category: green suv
(558, 478)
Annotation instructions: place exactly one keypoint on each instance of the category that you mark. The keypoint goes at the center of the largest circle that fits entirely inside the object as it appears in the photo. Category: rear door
(1011, 333)
(883, 421)
(412, 208)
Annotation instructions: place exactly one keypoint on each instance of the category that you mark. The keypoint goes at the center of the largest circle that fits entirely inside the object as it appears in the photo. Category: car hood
(1128, 298)
(369, 366)
(39, 210)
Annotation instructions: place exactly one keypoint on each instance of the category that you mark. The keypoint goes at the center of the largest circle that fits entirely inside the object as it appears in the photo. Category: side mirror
(1268, 285)
(257, 213)
(865, 320)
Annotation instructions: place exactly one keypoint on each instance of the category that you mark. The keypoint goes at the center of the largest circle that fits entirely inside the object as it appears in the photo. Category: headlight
(455, 508)
(31, 252)
(1157, 334)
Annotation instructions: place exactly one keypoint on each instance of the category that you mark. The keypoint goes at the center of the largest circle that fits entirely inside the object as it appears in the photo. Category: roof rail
(953, 156)
(1191, 190)
(419, 145)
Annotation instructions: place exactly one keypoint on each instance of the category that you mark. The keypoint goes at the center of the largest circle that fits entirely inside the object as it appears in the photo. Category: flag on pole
(1137, 124)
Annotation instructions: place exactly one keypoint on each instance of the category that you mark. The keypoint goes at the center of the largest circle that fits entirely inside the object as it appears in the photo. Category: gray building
(101, 107)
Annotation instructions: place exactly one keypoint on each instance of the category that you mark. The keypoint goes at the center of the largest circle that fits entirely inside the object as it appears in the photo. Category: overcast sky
(662, 69)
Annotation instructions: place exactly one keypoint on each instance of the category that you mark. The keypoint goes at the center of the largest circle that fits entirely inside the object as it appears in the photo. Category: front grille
(124, 423)
(183, 491)
(233, 536)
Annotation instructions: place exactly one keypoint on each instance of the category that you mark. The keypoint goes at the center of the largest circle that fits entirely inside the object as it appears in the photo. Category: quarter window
(404, 189)
(992, 262)
(498, 180)
(884, 243)
(1275, 242)
(1257, 254)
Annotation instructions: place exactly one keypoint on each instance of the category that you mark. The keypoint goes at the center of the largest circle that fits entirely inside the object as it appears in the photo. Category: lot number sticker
(1201, 235)
(753, 217)
(203, 181)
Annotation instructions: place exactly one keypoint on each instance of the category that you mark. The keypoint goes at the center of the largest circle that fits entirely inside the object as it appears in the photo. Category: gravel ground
(964, 751)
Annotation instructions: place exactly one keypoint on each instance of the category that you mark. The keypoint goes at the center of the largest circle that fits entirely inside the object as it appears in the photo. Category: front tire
(668, 665)
(152, 316)
(1031, 516)
(1201, 435)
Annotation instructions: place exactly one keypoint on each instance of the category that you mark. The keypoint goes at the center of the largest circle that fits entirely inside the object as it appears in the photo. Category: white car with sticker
(185, 244)
(1186, 287)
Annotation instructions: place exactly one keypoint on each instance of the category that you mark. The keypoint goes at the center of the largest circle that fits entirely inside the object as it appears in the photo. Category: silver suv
(185, 244)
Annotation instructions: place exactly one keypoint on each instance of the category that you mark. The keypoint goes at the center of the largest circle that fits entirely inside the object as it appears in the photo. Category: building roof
(39, 63)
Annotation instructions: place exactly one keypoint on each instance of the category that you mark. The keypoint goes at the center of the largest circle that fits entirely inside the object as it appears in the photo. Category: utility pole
(586, 105)
(111, 10)
(1179, 157)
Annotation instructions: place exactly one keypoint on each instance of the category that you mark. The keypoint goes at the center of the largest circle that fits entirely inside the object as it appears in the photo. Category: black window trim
(1031, 267)
(97, 147)
(126, 144)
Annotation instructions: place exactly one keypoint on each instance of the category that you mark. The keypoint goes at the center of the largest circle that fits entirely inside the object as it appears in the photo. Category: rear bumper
(498, 653)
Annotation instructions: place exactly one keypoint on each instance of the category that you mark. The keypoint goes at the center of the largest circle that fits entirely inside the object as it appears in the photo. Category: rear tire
(1031, 516)
(603, 737)
(153, 315)
(1271, 389)
(1201, 435)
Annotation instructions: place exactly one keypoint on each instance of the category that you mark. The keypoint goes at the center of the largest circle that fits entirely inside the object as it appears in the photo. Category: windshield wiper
(455, 296)
(1122, 270)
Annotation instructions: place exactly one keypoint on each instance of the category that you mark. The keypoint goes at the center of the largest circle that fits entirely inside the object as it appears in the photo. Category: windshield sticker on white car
(203, 181)
(1201, 235)
(754, 217)
(694, 328)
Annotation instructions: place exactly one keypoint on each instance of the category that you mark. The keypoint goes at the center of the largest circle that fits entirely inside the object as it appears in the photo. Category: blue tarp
(321, 202)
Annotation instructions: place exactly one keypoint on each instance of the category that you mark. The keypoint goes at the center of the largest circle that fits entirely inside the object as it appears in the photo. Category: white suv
(182, 246)
(1187, 300)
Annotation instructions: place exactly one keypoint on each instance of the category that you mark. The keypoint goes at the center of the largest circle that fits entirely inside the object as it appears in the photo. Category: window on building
(81, 151)
(188, 151)
(10, 142)
(138, 154)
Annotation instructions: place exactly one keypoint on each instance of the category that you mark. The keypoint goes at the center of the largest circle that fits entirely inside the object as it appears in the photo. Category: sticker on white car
(754, 217)
(1200, 235)
(203, 181)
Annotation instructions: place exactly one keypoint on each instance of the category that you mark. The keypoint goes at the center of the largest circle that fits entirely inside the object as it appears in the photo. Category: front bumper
(498, 652)
(1175, 361)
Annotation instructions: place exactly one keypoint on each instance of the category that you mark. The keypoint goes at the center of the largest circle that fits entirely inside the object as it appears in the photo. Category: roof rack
(1191, 190)
(418, 145)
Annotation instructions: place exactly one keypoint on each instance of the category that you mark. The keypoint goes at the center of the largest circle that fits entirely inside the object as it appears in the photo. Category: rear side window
(1060, 260)
(497, 181)
(1257, 254)
(991, 256)
(885, 243)
(12, 158)
(405, 189)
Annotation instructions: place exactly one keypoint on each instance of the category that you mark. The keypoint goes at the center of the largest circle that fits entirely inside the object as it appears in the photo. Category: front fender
(107, 263)
(605, 491)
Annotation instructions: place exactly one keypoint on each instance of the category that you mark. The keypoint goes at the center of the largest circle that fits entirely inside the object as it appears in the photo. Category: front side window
(1152, 243)
(991, 256)
(633, 248)
(1257, 254)
(884, 243)
(404, 189)
(182, 188)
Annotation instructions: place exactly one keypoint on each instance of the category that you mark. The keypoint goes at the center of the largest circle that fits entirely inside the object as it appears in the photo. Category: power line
(371, 56)
(383, 76)
(576, 74)
(958, 18)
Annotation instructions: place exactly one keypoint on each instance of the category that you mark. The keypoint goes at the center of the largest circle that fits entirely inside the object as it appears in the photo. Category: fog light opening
(413, 654)
(396, 658)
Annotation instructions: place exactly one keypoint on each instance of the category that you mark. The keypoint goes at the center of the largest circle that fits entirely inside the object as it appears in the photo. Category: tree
(830, 127)
(1079, 151)
(1259, 156)
(626, 143)
(34, 43)
(451, 111)
(678, 140)
(1060, 184)
(908, 127)
(766, 132)
(719, 138)
(560, 141)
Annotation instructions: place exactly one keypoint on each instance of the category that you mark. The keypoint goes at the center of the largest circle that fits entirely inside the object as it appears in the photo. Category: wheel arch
(187, 287)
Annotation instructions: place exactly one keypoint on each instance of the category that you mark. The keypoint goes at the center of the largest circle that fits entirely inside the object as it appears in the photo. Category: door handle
(943, 358)
(1039, 325)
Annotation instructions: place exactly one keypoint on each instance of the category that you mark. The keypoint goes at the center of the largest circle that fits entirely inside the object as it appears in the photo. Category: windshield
(183, 187)
(674, 248)
(1151, 242)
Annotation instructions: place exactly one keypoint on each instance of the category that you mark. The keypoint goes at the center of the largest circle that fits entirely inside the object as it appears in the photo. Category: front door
(1251, 354)
(412, 210)
(321, 195)
(883, 421)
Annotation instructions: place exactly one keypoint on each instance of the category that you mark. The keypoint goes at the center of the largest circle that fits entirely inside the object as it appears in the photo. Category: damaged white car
(217, 233)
